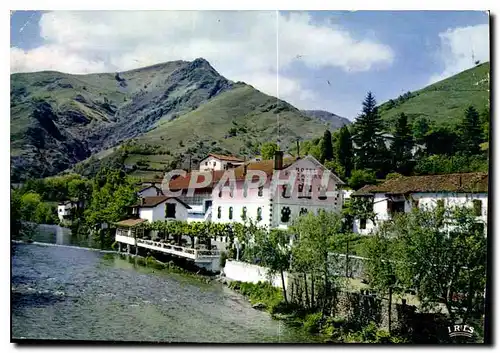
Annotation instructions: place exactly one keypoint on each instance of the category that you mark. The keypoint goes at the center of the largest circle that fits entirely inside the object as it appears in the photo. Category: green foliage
(261, 292)
(361, 177)
(401, 147)
(470, 132)
(312, 322)
(441, 164)
(392, 176)
(371, 152)
(326, 147)
(268, 149)
(344, 151)
(442, 254)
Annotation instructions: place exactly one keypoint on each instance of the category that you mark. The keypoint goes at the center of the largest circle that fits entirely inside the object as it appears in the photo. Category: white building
(404, 193)
(273, 205)
(65, 210)
(219, 162)
(149, 190)
(160, 208)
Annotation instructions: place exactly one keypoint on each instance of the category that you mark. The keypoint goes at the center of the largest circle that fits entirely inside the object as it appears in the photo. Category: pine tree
(470, 132)
(326, 147)
(343, 150)
(370, 150)
(402, 145)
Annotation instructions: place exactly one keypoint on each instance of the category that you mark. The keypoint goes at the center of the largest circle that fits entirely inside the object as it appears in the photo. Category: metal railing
(180, 250)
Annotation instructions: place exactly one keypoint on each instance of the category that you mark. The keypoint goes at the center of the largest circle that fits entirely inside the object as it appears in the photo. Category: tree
(273, 249)
(470, 132)
(442, 254)
(326, 147)
(361, 177)
(401, 147)
(112, 195)
(421, 127)
(370, 150)
(15, 214)
(268, 150)
(310, 252)
(343, 150)
(441, 140)
(29, 204)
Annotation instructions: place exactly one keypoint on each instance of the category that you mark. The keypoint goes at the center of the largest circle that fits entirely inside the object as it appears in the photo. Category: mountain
(162, 112)
(335, 121)
(445, 101)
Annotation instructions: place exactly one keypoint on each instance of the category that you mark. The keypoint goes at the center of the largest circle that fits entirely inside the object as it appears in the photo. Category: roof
(132, 222)
(458, 183)
(63, 203)
(266, 166)
(145, 187)
(153, 201)
(225, 158)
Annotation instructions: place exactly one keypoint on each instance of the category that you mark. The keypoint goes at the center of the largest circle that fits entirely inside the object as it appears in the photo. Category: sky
(325, 60)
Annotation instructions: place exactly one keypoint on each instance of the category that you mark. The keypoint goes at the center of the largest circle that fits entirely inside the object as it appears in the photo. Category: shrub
(361, 177)
(312, 322)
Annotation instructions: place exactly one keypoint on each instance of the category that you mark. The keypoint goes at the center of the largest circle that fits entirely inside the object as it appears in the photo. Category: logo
(460, 331)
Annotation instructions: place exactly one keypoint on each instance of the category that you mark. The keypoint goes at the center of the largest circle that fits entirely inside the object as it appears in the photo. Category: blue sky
(386, 52)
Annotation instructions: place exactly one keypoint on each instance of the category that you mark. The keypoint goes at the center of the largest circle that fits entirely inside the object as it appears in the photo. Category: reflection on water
(70, 293)
(54, 234)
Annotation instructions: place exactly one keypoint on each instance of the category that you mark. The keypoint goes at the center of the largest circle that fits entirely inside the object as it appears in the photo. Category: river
(70, 293)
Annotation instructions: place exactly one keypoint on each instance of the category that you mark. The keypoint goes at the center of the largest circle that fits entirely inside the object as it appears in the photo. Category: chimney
(278, 160)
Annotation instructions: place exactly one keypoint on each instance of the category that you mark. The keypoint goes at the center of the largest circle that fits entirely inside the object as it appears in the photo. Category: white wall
(212, 164)
(425, 200)
(151, 191)
(244, 272)
(157, 213)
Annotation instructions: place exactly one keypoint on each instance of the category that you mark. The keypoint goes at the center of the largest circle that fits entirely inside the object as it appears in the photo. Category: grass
(445, 101)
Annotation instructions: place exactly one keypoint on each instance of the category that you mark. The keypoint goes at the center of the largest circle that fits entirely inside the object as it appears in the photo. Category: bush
(392, 176)
(362, 177)
(312, 322)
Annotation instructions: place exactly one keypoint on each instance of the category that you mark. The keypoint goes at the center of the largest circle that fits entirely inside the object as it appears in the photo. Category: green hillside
(444, 101)
(235, 122)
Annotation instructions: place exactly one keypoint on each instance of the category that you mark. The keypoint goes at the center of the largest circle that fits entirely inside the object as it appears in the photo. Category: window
(206, 163)
(170, 210)
(259, 214)
(478, 205)
(219, 211)
(285, 214)
(322, 193)
(286, 192)
(230, 213)
(220, 192)
(440, 203)
(303, 211)
(362, 223)
(231, 192)
(261, 189)
(395, 207)
(244, 213)
(215, 164)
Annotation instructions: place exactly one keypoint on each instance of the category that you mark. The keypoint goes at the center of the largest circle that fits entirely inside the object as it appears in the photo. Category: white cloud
(459, 46)
(242, 45)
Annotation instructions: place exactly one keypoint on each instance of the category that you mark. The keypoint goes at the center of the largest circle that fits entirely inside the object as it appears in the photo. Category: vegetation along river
(70, 293)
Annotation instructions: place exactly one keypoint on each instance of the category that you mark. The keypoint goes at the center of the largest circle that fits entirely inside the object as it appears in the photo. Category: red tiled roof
(266, 166)
(132, 222)
(459, 183)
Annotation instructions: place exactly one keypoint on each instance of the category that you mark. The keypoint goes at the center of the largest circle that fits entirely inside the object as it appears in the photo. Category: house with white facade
(404, 193)
(200, 200)
(219, 162)
(149, 190)
(278, 200)
(65, 210)
(160, 208)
